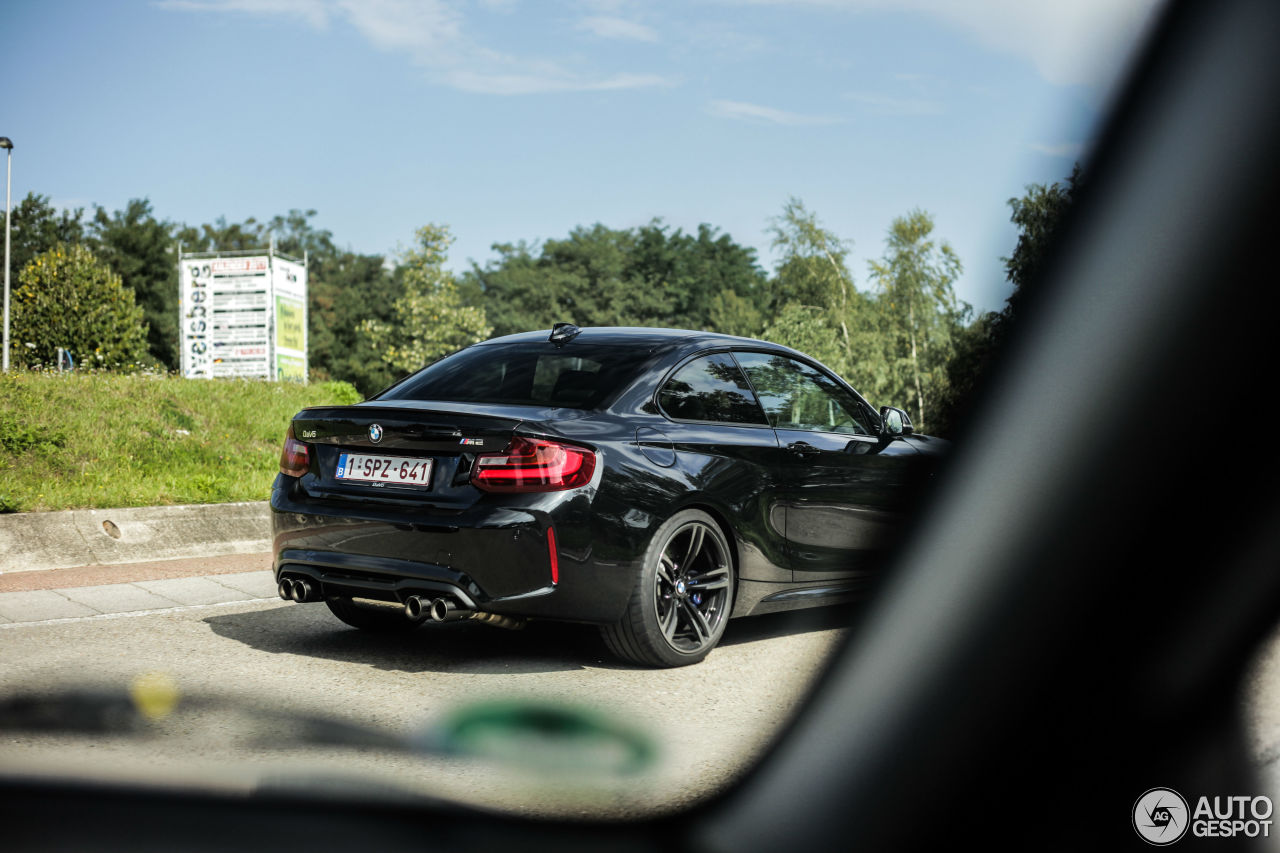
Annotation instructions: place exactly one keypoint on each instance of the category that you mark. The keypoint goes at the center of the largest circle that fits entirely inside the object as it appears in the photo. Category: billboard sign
(289, 284)
(243, 316)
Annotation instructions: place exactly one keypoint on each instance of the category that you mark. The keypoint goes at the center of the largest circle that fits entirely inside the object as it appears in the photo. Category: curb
(84, 537)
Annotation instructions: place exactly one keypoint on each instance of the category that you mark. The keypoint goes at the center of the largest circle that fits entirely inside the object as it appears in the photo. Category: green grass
(105, 440)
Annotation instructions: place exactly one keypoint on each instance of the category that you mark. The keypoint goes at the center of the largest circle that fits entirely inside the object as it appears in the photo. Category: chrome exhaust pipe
(446, 610)
(499, 620)
(285, 589)
(417, 608)
(300, 591)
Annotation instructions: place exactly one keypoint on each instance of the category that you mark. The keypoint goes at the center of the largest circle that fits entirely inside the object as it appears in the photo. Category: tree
(344, 289)
(430, 319)
(39, 227)
(585, 279)
(597, 283)
(519, 291)
(295, 235)
(68, 298)
(141, 250)
(697, 273)
(223, 237)
(732, 314)
(648, 276)
(816, 307)
(1038, 215)
(921, 315)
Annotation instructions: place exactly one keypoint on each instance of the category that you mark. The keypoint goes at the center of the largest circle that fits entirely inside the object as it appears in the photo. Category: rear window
(577, 376)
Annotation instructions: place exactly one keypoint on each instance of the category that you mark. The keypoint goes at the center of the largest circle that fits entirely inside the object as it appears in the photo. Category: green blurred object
(543, 737)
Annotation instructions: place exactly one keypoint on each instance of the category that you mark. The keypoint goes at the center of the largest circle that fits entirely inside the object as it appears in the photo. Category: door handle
(803, 449)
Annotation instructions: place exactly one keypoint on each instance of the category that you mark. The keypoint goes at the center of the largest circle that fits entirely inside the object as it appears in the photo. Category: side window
(797, 396)
(711, 388)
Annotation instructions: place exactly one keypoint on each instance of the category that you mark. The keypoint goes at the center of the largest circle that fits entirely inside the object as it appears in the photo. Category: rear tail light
(534, 465)
(296, 456)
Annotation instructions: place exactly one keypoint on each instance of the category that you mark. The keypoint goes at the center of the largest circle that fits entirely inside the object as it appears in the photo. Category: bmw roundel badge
(375, 433)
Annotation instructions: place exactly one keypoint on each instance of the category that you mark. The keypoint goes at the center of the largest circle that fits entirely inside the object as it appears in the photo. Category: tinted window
(711, 388)
(797, 396)
(537, 374)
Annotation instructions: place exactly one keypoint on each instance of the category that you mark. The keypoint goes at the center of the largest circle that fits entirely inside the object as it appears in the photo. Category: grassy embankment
(114, 440)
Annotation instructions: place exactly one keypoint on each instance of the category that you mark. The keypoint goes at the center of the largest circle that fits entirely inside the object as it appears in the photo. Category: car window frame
(876, 423)
(684, 362)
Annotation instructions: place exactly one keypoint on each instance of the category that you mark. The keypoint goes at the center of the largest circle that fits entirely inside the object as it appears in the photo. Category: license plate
(392, 470)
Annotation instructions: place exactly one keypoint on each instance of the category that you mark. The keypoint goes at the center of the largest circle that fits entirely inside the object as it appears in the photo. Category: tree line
(106, 285)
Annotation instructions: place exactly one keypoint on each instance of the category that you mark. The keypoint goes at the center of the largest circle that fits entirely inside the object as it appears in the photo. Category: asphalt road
(252, 672)
(266, 661)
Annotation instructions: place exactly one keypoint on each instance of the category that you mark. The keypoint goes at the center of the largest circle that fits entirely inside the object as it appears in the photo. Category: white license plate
(394, 470)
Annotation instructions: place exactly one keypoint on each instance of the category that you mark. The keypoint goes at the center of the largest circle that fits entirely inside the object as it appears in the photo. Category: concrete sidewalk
(69, 602)
(94, 562)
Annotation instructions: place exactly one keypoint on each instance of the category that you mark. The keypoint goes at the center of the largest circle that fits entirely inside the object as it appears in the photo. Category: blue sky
(520, 119)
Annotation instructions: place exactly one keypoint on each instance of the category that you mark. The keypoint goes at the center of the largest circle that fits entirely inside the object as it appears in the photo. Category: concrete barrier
(87, 537)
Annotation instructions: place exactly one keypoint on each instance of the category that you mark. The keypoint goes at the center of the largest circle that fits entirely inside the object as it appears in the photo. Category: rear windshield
(577, 376)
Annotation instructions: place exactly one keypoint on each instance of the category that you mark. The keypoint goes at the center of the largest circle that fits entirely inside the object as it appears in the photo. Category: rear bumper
(494, 558)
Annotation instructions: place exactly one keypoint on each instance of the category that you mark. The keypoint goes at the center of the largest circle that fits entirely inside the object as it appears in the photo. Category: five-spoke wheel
(681, 602)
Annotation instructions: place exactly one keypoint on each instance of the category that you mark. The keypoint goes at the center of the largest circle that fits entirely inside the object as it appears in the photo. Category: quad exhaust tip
(296, 589)
(420, 607)
(446, 610)
(300, 591)
(417, 608)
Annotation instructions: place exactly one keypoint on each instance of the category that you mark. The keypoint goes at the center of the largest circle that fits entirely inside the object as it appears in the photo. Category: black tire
(682, 597)
(369, 617)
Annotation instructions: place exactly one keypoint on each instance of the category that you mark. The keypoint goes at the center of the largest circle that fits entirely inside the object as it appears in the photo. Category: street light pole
(7, 144)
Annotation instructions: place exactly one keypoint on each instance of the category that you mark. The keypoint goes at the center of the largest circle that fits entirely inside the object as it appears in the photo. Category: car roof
(638, 336)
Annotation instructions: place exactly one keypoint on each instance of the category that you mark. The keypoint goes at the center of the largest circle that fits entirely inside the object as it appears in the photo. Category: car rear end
(453, 507)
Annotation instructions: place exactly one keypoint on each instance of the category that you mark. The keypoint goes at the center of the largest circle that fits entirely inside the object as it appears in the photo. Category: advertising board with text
(243, 317)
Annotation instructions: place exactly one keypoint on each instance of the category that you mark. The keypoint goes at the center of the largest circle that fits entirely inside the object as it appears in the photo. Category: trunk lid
(365, 438)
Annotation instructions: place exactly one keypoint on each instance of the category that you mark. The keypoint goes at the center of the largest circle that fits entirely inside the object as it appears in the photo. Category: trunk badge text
(472, 442)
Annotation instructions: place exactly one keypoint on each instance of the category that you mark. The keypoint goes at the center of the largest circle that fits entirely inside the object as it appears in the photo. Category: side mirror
(894, 423)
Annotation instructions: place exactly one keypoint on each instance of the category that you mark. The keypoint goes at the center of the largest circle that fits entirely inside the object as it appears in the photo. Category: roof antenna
(562, 333)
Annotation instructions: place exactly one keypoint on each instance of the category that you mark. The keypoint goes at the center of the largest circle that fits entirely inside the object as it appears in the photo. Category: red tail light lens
(534, 465)
(296, 456)
(554, 554)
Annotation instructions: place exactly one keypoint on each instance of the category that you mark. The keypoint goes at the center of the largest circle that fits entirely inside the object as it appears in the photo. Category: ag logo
(1161, 816)
(375, 433)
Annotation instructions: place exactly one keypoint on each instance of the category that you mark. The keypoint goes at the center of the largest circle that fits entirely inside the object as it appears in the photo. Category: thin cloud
(534, 84)
(313, 12)
(421, 27)
(606, 27)
(744, 111)
(1082, 42)
(894, 105)
(431, 34)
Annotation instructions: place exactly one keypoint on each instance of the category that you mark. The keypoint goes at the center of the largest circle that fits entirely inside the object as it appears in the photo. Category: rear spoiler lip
(500, 420)
(399, 408)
